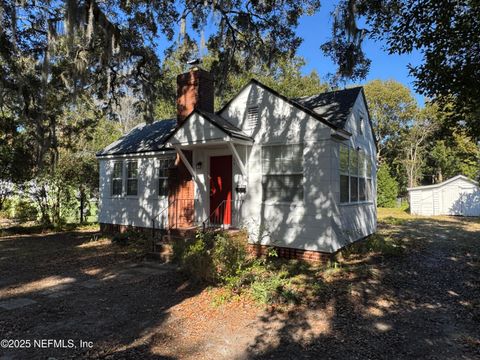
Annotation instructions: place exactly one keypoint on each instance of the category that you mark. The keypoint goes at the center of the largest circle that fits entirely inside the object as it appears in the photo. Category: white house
(456, 196)
(295, 173)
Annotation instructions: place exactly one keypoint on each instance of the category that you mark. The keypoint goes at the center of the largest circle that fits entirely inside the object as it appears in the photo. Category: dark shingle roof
(333, 106)
(142, 138)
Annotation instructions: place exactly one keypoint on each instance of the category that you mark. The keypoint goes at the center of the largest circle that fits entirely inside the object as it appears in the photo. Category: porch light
(199, 165)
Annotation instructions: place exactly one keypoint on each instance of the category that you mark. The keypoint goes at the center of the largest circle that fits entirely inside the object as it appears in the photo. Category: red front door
(221, 189)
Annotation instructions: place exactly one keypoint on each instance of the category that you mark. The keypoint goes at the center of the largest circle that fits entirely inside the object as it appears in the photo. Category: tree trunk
(82, 204)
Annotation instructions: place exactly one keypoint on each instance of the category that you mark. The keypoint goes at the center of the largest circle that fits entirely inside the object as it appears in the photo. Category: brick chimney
(194, 91)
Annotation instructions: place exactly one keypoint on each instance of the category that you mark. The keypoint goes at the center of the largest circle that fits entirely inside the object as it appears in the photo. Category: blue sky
(315, 30)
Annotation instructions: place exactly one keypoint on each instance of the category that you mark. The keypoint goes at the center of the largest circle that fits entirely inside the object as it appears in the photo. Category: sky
(315, 30)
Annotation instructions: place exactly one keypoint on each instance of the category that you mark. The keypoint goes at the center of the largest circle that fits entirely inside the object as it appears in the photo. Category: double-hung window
(132, 178)
(162, 174)
(282, 170)
(117, 178)
(355, 175)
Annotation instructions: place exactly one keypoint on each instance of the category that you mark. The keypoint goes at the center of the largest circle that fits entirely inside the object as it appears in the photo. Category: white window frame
(266, 173)
(127, 179)
(121, 178)
(158, 168)
(368, 176)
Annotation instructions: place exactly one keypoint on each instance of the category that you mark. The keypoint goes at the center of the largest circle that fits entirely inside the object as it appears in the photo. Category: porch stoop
(163, 242)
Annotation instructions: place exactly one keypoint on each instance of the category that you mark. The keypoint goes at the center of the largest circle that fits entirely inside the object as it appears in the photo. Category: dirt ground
(74, 286)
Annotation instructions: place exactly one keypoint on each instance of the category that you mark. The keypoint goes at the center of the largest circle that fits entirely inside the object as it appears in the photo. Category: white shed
(456, 196)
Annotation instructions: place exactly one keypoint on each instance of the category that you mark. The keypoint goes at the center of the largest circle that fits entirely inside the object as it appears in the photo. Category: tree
(447, 32)
(392, 107)
(457, 155)
(125, 112)
(413, 143)
(443, 159)
(387, 187)
(51, 53)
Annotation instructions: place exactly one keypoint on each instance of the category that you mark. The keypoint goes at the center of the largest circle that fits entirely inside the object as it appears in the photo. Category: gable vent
(252, 119)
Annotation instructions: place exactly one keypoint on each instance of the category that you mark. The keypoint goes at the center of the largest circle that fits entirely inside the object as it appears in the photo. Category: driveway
(58, 289)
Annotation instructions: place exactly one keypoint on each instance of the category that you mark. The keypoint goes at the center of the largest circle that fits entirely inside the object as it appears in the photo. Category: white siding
(357, 220)
(131, 210)
(197, 129)
(318, 222)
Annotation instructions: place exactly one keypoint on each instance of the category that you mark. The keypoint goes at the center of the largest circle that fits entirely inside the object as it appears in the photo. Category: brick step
(163, 252)
(168, 239)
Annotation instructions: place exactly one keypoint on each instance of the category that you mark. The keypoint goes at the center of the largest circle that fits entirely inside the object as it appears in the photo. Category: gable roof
(224, 125)
(333, 106)
(444, 183)
(217, 121)
(290, 101)
(142, 138)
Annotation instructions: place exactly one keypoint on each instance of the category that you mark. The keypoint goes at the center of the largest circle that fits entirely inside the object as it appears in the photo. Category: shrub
(273, 287)
(196, 260)
(24, 210)
(222, 259)
(387, 187)
(211, 257)
(229, 255)
(375, 243)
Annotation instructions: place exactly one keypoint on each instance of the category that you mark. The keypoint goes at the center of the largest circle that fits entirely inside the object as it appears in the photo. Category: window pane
(282, 159)
(343, 159)
(361, 163)
(344, 188)
(117, 187)
(283, 188)
(132, 169)
(275, 166)
(362, 189)
(117, 170)
(132, 186)
(163, 187)
(117, 178)
(353, 162)
(353, 189)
